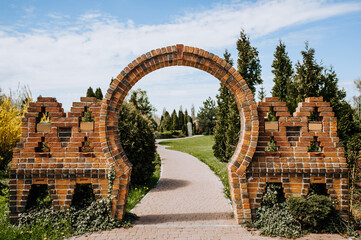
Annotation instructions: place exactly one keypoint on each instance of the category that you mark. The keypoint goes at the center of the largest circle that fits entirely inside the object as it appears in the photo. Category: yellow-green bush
(10, 129)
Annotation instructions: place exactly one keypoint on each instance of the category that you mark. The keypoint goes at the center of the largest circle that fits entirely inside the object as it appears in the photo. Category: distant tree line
(174, 121)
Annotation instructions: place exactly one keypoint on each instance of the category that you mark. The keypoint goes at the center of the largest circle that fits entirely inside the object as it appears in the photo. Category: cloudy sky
(60, 48)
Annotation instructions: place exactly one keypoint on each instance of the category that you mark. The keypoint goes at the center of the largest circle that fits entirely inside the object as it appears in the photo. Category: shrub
(311, 211)
(277, 221)
(169, 134)
(10, 129)
(138, 141)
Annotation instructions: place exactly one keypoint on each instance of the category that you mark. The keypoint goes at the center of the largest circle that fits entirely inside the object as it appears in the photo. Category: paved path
(187, 203)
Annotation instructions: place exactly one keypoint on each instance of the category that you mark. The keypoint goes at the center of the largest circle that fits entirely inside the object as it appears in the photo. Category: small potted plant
(87, 122)
(45, 124)
(86, 150)
(271, 149)
(314, 123)
(271, 124)
(45, 150)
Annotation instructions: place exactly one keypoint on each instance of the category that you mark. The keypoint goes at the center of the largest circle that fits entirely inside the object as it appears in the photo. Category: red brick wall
(249, 168)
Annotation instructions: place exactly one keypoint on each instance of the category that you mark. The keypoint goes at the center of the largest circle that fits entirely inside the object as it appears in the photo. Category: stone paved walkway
(187, 203)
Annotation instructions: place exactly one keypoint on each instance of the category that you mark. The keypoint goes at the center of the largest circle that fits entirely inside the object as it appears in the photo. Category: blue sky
(60, 48)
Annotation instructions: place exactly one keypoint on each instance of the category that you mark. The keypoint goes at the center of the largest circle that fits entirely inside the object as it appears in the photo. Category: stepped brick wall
(65, 165)
(293, 165)
(249, 169)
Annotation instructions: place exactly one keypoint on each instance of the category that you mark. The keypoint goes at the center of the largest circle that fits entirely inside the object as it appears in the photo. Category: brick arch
(182, 56)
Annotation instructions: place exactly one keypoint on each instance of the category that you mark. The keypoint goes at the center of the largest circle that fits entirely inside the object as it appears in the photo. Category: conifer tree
(282, 71)
(207, 116)
(227, 125)
(181, 119)
(314, 80)
(99, 94)
(248, 62)
(167, 122)
(175, 121)
(261, 93)
(90, 92)
(308, 75)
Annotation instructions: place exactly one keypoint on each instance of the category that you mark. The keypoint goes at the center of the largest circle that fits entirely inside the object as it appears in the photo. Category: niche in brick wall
(272, 121)
(318, 188)
(293, 135)
(43, 122)
(87, 121)
(274, 193)
(315, 145)
(64, 134)
(315, 120)
(83, 195)
(86, 150)
(39, 197)
(43, 149)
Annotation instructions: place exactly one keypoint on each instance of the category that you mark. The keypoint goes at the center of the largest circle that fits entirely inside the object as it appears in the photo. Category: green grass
(136, 193)
(201, 148)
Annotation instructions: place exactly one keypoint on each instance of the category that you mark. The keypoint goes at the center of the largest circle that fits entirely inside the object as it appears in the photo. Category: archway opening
(197, 58)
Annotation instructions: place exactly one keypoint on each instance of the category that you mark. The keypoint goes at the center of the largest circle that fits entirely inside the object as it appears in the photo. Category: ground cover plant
(201, 148)
(298, 215)
(40, 221)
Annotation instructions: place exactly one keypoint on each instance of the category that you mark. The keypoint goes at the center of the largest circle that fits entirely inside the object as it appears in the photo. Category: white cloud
(67, 60)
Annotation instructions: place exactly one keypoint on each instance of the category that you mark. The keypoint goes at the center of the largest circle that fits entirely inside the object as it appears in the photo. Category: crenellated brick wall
(293, 165)
(65, 165)
(249, 169)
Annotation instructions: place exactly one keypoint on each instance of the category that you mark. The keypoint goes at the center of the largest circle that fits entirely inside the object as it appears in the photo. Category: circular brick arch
(178, 55)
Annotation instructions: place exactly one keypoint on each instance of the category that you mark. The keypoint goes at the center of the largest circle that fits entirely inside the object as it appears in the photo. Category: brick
(66, 166)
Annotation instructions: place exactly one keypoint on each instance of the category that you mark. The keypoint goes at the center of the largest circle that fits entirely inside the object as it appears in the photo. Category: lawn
(201, 148)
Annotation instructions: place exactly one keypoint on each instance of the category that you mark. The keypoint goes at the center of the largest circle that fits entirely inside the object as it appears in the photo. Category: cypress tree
(308, 75)
(313, 80)
(248, 62)
(90, 92)
(99, 94)
(282, 71)
(261, 93)
(227, 126)
(167, 123)
(181, 119)
(175, 121)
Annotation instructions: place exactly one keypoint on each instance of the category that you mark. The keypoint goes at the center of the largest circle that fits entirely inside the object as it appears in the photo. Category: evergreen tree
(175, 121)
(167, 122)
(90, 92)
(248, 62)
(207, 116)
(181, 119)
(328, 89)
(99, 94)
(227, 126)
(261, 94)
(141, 102)
(357, 99)
(282, 70)
(138, 141)
(308, 75)
(313, 80)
